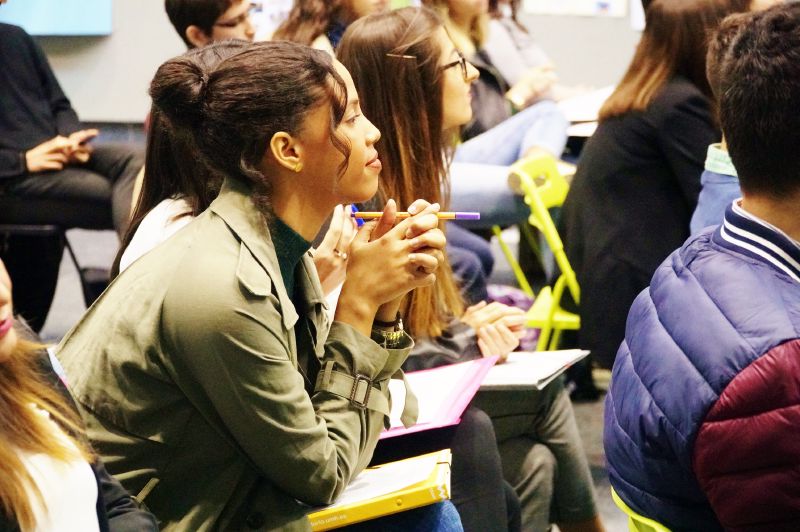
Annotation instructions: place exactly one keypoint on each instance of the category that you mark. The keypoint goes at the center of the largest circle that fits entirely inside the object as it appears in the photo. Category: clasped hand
(60, 151)
(389, 258)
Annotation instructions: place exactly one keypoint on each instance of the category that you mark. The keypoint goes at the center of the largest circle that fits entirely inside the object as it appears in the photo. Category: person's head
(200, 22)
(275, 113)
(412, 85)
(674, 43)
(759, 82)
(8, 336)
(461, 14)
(21, 427)
(171, 167)
(309, 19)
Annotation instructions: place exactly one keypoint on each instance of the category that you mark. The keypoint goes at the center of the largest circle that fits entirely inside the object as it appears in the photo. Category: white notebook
(530, 369)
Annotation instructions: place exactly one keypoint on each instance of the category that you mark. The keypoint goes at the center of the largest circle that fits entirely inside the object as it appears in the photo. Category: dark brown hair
(394, 60)
(200, 13)
(172, 168)
(232, 111)
(718, 48)
(673, 44)
(759, 82)
(307, 20)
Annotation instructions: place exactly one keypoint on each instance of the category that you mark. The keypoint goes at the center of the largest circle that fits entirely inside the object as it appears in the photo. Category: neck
(783, 213)
(299, 213)
(462, 22)
(291, 202)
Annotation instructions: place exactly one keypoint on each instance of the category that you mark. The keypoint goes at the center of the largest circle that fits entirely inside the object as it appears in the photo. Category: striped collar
(758, 239)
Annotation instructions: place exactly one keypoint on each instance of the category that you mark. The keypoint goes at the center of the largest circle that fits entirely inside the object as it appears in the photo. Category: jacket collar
(235, 206)
(761, 240)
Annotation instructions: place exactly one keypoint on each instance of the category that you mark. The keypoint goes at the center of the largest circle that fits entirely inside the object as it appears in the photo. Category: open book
(443, 393)
(388, 489)
(530, 369)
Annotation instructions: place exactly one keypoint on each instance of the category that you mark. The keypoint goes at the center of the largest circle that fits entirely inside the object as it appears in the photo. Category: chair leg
(544, 338)
(555, 340)
(512, 261)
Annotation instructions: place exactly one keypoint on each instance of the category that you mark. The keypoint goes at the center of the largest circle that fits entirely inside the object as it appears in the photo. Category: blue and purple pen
(441, 215)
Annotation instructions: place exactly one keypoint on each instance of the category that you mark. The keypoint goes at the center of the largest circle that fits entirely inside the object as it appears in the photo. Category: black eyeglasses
(241, 19)
(461, 61)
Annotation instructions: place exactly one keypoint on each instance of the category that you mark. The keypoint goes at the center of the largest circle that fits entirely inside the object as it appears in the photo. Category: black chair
(32, 254)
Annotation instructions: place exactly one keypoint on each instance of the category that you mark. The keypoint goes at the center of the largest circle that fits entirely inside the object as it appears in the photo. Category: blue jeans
(439, 517)
(479, 173)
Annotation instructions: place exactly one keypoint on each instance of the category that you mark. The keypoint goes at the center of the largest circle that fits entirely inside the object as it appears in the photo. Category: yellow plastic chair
(637, 522)
(543, 187)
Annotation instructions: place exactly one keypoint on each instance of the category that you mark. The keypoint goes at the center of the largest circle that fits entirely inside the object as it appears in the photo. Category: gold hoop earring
(298, 167)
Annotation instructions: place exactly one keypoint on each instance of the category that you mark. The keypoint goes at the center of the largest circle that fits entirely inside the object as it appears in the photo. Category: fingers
(476, 306)
(433, 238)
(417, 224)
(427, 262)
(349, 228)
(387, 221)
(498, 340)
(334, 232)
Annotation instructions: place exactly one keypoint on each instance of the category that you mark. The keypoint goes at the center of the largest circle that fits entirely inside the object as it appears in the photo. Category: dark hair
(394, 60)
(307, 20)
(759, 77)
(232, 111)
(718, 46)
(673, 44)
(172, 168)
(200, 13)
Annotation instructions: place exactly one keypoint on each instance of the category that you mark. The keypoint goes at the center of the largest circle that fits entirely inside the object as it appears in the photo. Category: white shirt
(68, 489)
(159, 224)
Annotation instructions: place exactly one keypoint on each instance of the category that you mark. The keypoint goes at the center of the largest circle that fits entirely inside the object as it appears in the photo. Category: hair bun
(179, 90)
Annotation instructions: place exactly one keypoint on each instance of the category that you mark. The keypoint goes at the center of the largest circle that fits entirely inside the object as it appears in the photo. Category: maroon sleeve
(747, 453)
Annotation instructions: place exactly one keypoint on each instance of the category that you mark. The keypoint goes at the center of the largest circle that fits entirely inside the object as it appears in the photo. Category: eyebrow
(353, 102)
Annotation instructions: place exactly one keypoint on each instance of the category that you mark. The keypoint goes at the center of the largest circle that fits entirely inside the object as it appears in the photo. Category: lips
(375, 162)
(5, 326)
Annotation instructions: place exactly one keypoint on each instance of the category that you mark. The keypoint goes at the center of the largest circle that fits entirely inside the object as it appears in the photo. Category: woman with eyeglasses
(410, 78)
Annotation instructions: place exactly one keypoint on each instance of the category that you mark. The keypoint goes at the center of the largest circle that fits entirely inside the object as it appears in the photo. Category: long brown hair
(22, 385)
(673, 43)
(394, 60)
(172, 168)
(307, 20)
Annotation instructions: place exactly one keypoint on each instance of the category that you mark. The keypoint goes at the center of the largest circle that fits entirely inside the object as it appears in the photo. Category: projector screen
(59, 17)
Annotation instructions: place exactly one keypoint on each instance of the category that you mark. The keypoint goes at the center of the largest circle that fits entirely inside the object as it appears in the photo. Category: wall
(107, 77)
(585, 50)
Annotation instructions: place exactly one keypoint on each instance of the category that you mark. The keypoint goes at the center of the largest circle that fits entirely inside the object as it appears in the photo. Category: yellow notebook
(388, 489)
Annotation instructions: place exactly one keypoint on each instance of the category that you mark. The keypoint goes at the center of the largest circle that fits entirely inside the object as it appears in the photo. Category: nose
(373, 134)
(249, 29)
(5, 285)
(472, 72)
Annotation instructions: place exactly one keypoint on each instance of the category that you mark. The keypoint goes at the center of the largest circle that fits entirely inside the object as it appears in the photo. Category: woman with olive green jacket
(208, 375)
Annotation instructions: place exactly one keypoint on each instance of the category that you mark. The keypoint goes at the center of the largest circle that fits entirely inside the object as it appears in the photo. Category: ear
(287, 151)
(197, 36)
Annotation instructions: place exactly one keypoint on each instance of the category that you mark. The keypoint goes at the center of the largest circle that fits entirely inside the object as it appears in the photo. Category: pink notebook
(443, 394)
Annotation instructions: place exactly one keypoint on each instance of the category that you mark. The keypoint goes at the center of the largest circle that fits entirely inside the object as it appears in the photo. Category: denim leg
(484, 188)
(461, 238)
(542, 125)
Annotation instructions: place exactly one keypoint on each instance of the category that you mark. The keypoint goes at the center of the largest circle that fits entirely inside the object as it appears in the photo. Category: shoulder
(705, 291)
(323, 43)
(679, 96)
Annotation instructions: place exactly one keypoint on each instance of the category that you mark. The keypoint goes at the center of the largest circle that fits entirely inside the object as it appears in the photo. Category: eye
(352, 119)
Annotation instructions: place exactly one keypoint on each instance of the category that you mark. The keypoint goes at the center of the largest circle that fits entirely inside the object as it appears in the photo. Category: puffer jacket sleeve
(747, 453)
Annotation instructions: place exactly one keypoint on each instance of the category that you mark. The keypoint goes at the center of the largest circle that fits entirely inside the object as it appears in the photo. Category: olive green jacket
(208, 391)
